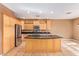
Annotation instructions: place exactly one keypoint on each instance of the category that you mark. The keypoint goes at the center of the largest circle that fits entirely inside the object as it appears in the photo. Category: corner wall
(62, 28)
(76, 29)
(0, 33)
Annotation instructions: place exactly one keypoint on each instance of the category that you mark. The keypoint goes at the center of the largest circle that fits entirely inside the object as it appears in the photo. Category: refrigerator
(18, 35)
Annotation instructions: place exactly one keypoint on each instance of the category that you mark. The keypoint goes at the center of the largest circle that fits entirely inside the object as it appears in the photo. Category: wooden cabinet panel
(50, 45)
(29, 24)
(29, 45)
(12, 21)
(43, 26)
(57, 45)
(12, 37)
(43, 45)
(6, 21)
(42, 21)
(28, 21)
(49, 22)
(8, 33)
(6, 45)
(37, 47)
(6, 40)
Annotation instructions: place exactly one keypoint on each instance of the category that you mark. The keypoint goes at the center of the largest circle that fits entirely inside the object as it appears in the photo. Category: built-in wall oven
(18, 36)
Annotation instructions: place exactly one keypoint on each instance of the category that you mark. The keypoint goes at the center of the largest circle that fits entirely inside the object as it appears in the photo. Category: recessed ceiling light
(28, 11)
(51, 12)
(40, 12)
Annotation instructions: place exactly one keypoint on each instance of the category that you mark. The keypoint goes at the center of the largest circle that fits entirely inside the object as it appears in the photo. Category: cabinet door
(49, 27)
(28, 26)
(36, 46)
(6, 40)
(12, 21)
(28, 46)
(8, 33)
(12, 37)
(50, 45)
(6, 20)
(43, 45)
(43, 26)
(57, 45)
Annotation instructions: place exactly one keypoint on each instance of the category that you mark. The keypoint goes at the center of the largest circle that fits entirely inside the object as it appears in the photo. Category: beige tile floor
(69, 48)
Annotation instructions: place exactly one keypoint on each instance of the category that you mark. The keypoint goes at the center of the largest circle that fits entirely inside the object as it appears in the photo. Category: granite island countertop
(42, 37)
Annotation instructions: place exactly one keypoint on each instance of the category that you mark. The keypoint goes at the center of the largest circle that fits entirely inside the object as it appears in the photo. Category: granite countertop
(36, 32)
(42, 37)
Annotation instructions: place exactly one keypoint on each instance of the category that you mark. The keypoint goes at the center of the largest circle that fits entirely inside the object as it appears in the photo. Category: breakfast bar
(42, 43)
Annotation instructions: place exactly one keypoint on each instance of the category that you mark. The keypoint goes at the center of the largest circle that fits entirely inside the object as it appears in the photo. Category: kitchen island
(42, 43)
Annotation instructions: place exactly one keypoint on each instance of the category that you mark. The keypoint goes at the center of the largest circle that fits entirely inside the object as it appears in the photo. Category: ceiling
(44, 10)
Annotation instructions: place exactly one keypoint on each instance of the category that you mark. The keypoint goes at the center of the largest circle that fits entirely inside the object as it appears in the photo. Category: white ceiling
(45, 10)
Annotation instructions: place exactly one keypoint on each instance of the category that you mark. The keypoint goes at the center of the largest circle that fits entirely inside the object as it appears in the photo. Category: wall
(76, 29)
(62, 28)
(0, 33)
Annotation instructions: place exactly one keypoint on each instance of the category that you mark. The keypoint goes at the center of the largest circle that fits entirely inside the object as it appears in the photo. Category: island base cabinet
(50, 45)
(42, 45)
(57, 45)
(28, 46)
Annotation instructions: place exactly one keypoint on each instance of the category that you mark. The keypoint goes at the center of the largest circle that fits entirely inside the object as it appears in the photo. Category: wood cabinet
(42, 45)
(49, 25)
(50, 45)
(6, 33)
(9, 32)
(8, 20)
(43, 24)
(29, 24)
(6, 40)
(57, 45)
(29, 46)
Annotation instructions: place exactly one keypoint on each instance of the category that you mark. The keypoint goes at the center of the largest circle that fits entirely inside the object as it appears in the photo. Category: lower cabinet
(43, 45)
(57, 45)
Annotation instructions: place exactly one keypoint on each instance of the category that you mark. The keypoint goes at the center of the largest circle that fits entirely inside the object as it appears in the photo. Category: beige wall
(0, 33)
(62, 28)
(76, 28)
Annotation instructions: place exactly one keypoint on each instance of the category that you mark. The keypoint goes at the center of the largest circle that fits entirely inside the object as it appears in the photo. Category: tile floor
(69, 48)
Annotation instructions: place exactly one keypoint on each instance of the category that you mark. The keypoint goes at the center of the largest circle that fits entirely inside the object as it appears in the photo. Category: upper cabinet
(5, 19)
(49, 25)
(29, 24)
(43, 25)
